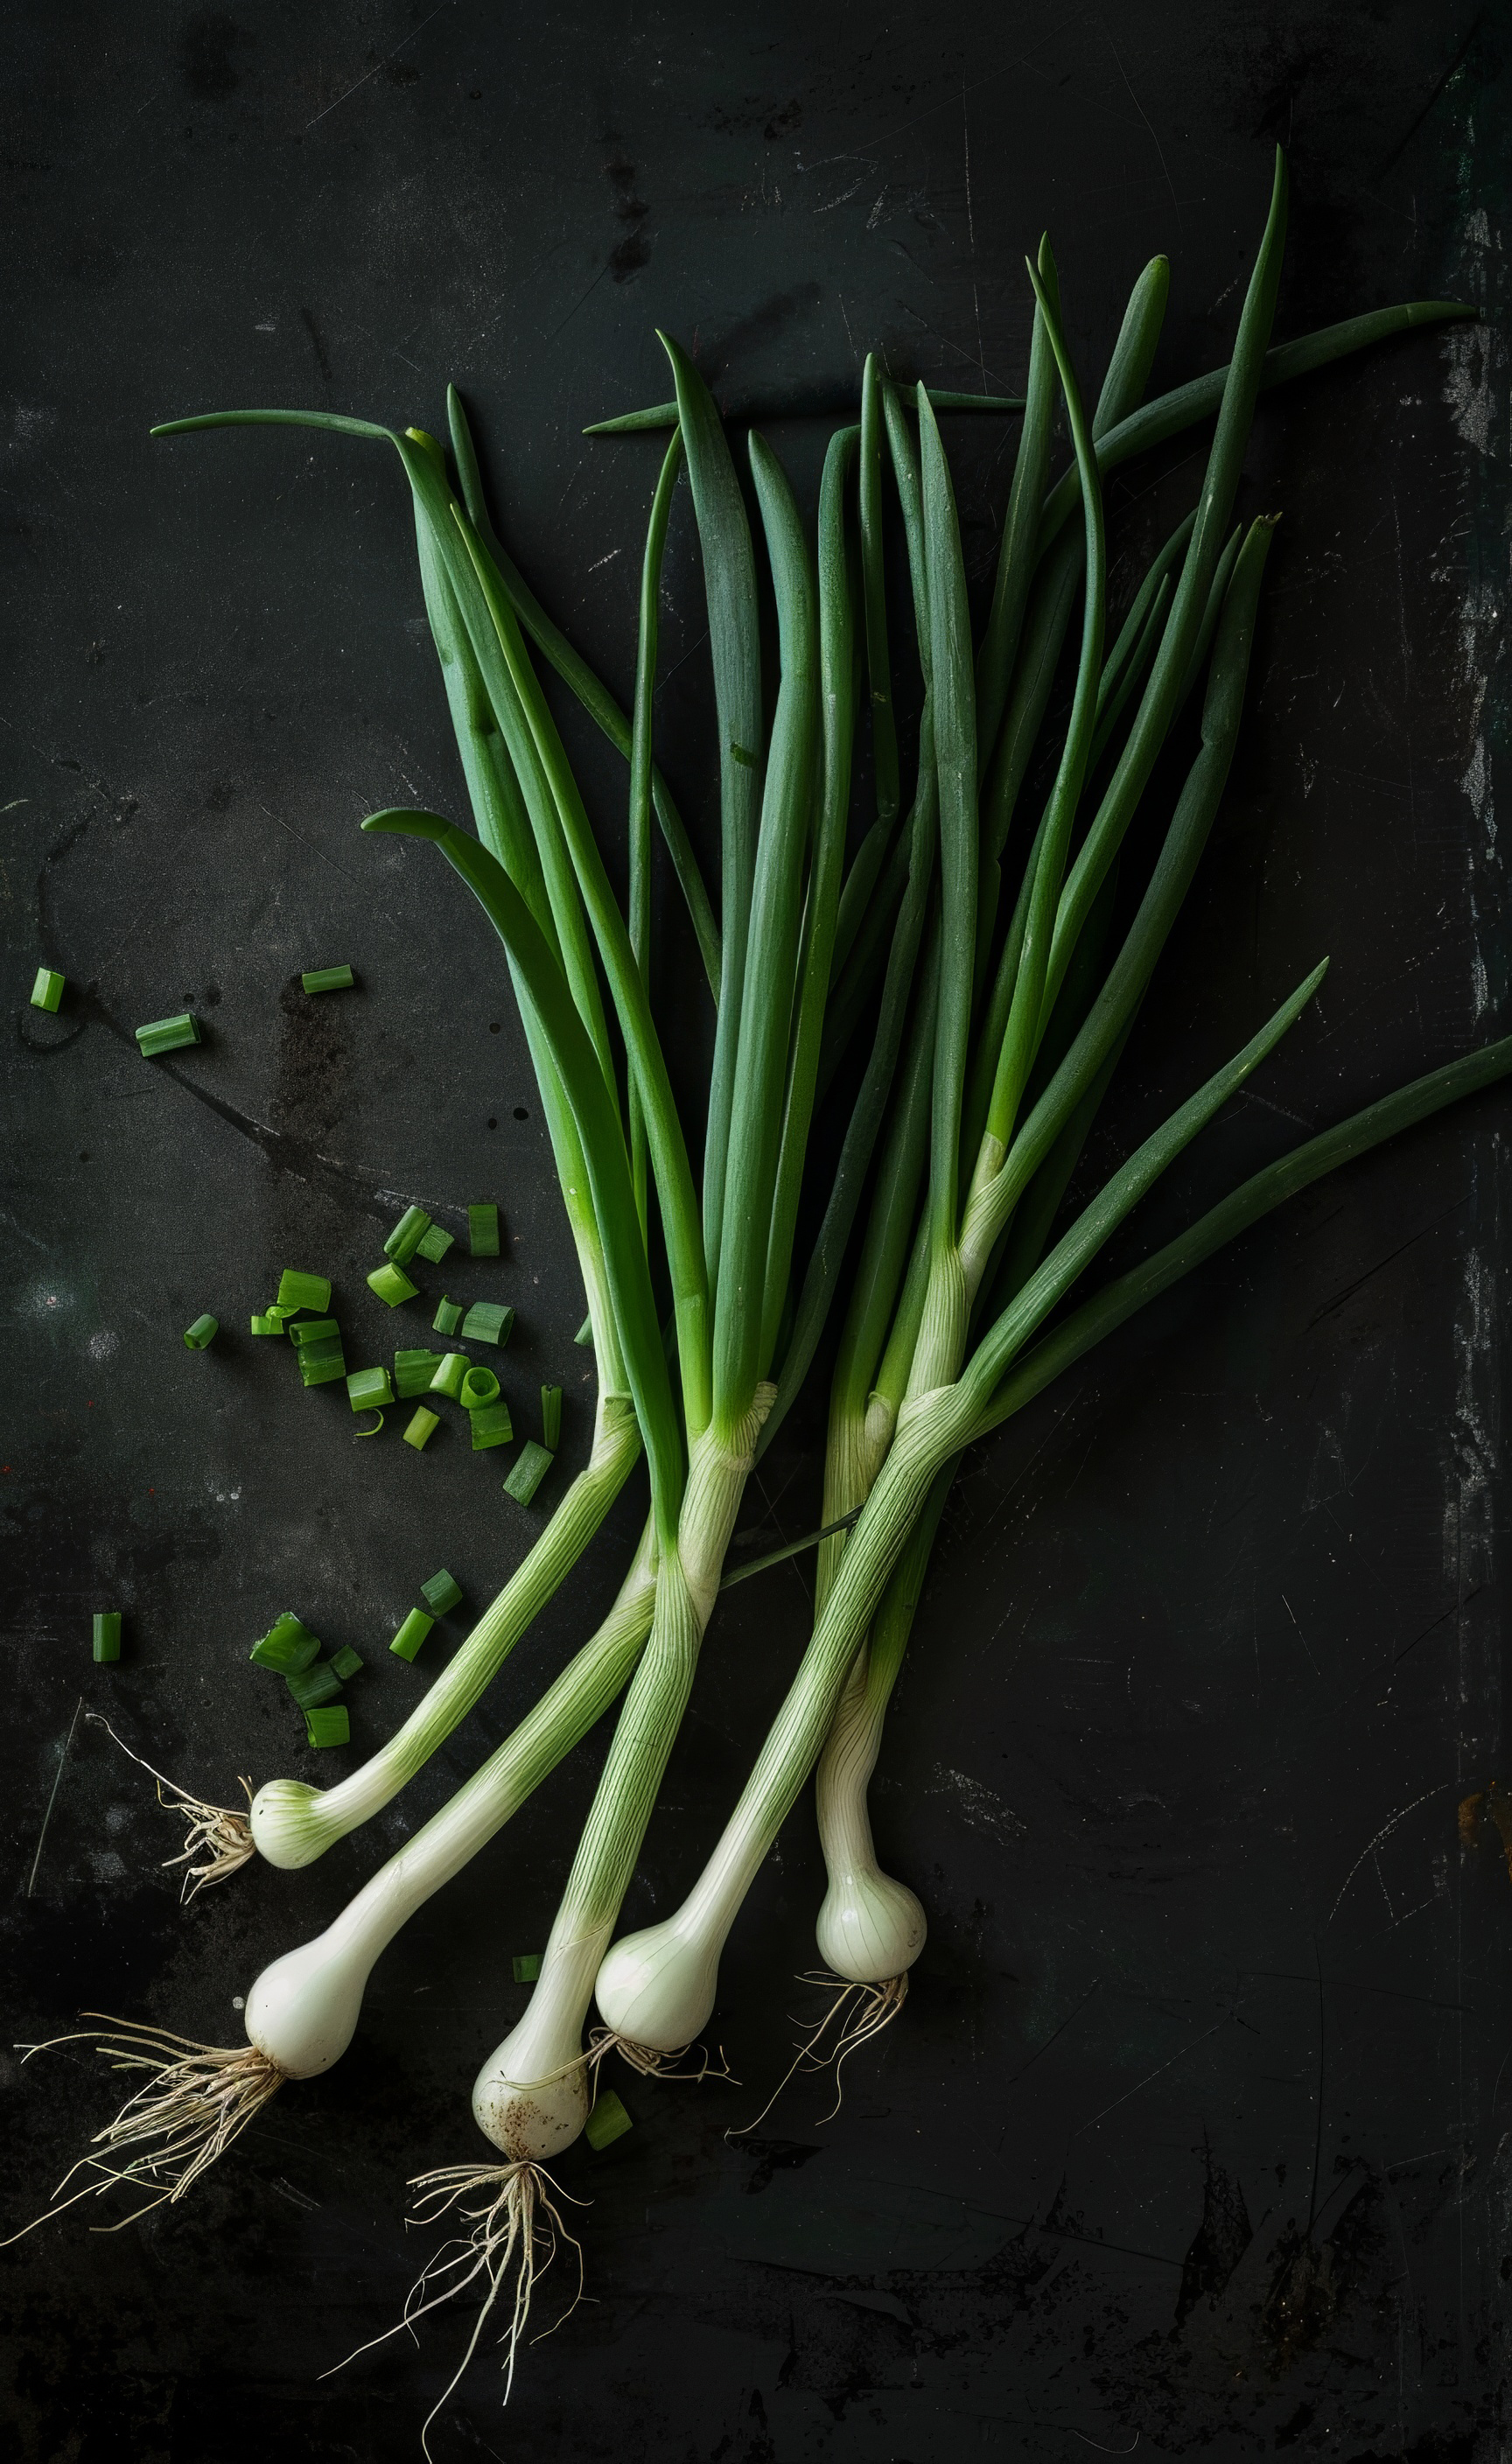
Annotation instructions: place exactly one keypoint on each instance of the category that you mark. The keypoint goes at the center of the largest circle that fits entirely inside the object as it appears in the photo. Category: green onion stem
(641, 769)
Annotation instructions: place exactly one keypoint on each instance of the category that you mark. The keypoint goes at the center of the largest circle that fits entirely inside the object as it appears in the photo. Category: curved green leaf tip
(407, 823)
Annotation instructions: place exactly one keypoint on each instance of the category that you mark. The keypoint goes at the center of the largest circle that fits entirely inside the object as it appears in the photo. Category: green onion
(413, 1632)
(422, 1428)
(328, 1728)
(487, 1322)
(47, 990)
(441, 1593)
(368, 1390)
(263, 1324)
(483, 1231)
(328, 979)
(413, 1371)
(288, 1646)
(345, 1662)
(314, 1685)
(167, 1034)
(607, 2122)
(298, 1291)
(391, 1284)
(584, 1334)
(435, 1244)
(449, 1376)
(321, 1364)
(202, 1332)
(551, 1417)
(479, 1386)
(107, 1634)
(531, 1466)
(406, 1234)
(449, 1316)
(313, 1329)
(526, 1966)
(491, 1425)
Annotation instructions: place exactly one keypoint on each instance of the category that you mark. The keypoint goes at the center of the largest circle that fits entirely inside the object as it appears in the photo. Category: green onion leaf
(449, 1316)
(584, 1334)
(47, 990)
(607, 2122)
(483, 1231)
(264, 1324)
(532, 1464)
(413, 1371)
(414, 1629)
(313, 1686)
(526, 1964)
(107, 1634)
(391, 1284)
(441, 1594)
(345, 1662)
(322, 1363)
(287, 1646)
(166, 1034)
(368, 1390)
(479, 1386)
(328, 979)
(313, 1329)
(328, 1728)
(487, 1322)
(551, 1417)
(203, 1332)
(449, 1377)
(489, 1425)
(422, 1428)
(406, 1234)
(298, 1291)
(435, 1244)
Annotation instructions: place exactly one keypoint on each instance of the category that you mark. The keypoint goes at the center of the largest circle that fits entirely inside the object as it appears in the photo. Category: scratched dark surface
(1191, 2139)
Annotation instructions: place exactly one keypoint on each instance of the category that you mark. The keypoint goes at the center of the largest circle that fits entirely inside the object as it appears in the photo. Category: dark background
(1191, 2138)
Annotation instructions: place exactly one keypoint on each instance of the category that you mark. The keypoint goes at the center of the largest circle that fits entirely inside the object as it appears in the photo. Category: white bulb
(870, 1928)
(303, 2011)
(657, 1987)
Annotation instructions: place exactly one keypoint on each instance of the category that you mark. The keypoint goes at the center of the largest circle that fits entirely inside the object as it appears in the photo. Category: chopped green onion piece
(448, 1318)
(330, 1728)
(203, 1332)
(406, 1234)
(107, 1634)
(368, 1390)
(479, 1386)
(526, 1964)
(288, 1646)
(312, 1329)
(166, 1034)
(314, 1685)
(584, 1334)
(449, 1377)
(322, 1363)
(483, 1231)
(435, 1244)
(607, 2122)
(487, 1322)
(491, 1427)
(531, 1466)
(413, 1371)
(345, 1662)
(391, 1284)
(421, 1429)
(442, 1594)
(551, 1417)
(411, 1633)
(328, 979)
(280, 1311)
(263, 1324)
(297, 1291)
(369, 1433)
(47, 990)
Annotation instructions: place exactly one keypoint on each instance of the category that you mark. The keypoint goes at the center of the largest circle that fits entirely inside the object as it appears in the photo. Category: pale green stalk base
(293, 1823)
(870, 1928)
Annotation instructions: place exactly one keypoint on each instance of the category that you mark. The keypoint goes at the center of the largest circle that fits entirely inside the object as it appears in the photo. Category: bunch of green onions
(983, 1037)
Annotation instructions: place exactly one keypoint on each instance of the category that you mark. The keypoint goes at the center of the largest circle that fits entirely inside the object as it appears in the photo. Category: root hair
(223, 1831)
(857, 2012)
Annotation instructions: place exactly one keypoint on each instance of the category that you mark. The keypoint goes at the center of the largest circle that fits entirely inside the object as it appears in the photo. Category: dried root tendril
(196, 2100)
(513, 2234)
(221, 1829)
(857, 2012)
(654, 2064)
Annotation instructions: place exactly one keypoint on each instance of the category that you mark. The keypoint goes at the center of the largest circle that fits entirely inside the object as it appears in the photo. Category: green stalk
(874, 588)
(1016, 555)
(640, 781)
(580, 678)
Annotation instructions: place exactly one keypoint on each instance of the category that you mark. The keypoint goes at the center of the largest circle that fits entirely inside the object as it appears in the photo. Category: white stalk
(870, 1928)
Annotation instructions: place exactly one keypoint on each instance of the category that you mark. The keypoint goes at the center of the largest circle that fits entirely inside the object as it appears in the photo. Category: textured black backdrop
(1191, 2138)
